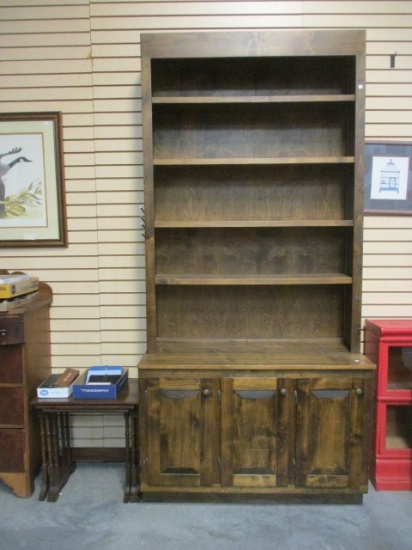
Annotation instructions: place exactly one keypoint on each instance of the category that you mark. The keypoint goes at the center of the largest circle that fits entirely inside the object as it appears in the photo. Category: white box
(47, 391)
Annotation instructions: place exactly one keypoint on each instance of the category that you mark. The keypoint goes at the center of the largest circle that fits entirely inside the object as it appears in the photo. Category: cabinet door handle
(283, 391)
(3, 331)
(359, 391)
(206, 392)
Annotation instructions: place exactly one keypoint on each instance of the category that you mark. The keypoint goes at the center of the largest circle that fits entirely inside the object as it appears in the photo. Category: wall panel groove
(82, 57)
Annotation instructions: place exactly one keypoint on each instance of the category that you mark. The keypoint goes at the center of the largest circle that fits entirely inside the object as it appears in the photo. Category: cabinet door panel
(179, 432)
(11, 364)
(330, 449)
(12, 406)
(12, 450)
(257, 432)
(11, 330)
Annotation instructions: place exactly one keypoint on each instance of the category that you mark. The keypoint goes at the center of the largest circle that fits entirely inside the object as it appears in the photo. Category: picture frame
(32, 186)
(388, 178)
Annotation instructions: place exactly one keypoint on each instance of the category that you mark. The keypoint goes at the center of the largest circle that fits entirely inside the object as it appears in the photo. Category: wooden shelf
(319, 98)
(233, 161)
(240, 354)
(302, 279)
(291, 355)
(275, 223)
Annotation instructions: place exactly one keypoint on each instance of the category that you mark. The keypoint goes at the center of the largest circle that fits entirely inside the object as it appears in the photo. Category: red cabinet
(389, 344)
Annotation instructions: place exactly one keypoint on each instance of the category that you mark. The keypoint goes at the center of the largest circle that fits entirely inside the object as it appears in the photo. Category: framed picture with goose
(32, 187)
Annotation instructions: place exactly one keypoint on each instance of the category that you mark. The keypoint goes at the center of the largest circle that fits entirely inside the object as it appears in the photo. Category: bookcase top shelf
(283, 43)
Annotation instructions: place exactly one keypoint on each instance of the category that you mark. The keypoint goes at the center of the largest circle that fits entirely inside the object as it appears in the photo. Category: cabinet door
(332, 433)
(257, 432)
(394, 371)
(12, 407)
(182, 432)
(12, 451)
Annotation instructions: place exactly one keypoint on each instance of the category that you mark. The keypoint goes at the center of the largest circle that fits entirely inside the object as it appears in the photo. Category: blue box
(82, 390)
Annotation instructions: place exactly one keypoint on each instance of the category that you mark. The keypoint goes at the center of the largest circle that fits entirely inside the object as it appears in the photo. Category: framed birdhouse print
(32, 194)
(388, 178)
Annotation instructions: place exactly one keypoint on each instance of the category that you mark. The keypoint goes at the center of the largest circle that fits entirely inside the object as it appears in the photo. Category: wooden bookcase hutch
(253, 382)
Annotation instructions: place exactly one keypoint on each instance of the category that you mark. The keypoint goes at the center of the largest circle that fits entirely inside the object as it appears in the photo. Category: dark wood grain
(12, 406)
(25, 362)
(181, 428)
(243, 312)
(256, 130)
(251, 251)
(252, 193)
(253, 189)
(331, 429)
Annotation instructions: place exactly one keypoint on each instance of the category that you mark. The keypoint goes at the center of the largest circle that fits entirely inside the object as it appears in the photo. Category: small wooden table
(57, 460)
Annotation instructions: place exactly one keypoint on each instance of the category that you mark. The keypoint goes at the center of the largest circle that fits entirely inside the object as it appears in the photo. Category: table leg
(54, 458)
(134, 474)
(62, 464)
(126, 497)
(67, 460)
(63, 438)
(49, 441)
(44, 467)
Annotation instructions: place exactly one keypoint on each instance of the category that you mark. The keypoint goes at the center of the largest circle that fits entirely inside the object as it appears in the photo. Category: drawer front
(12, 406)
(11, 330)
(11, 364)
(11, 451)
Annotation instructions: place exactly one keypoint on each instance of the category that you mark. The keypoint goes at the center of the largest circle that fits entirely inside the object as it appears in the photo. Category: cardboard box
(11, 290)
(47, 391)
(9, 278)
(82, 390)
(20, 301)
(107, 374)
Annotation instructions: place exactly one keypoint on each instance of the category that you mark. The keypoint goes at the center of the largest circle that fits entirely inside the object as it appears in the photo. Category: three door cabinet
(253, 381)
(389, 344)
(210, 425)
(24, 364)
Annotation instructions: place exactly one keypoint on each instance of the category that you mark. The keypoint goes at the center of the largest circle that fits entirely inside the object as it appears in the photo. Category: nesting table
(57, 459)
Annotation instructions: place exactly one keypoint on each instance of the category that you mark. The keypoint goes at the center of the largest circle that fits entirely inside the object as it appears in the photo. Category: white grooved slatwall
(82, 57)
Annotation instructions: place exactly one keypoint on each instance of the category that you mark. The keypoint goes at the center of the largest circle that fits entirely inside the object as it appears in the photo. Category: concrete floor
(90, 514)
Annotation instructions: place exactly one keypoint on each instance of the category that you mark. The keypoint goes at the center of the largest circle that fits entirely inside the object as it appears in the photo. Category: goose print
(4, 169)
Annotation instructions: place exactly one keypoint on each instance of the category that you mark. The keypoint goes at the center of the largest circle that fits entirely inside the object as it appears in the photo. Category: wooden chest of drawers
(24, 364)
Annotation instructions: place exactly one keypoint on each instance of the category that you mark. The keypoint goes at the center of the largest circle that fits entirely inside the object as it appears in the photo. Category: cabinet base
(253, 498)
(392, 474)
(20, 483)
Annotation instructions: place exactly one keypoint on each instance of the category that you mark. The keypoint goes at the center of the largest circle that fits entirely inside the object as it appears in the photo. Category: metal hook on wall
(393, 58)
(143, 218)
